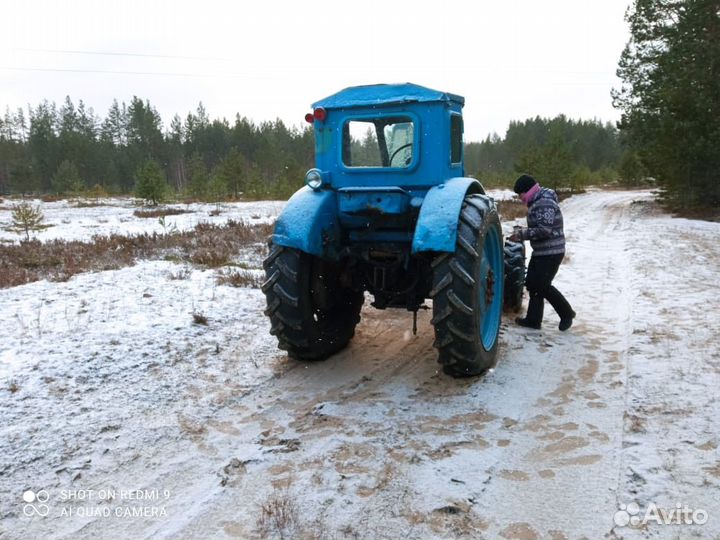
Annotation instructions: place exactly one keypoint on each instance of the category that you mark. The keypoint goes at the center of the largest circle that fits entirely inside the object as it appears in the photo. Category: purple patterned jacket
(545, 224)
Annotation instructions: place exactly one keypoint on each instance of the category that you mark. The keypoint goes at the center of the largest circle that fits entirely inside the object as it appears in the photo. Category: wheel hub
(489, 286)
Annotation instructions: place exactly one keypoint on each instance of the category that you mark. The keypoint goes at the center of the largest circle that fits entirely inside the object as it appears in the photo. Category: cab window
(379, 142)
(456, 138)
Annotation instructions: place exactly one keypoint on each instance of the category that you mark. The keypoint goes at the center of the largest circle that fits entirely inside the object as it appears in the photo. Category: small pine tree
(26, 218)
(234, 172)
(97, 192)
(631, 169)
(216, 189)
(580, 177)
(150, 183)
(67, 179)
(198, 177)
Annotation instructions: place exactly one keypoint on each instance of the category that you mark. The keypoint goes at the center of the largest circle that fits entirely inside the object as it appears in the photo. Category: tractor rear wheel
(311, 313)
(514, 275)
(467, 292)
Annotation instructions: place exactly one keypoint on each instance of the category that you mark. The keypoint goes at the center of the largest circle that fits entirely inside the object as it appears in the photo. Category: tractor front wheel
(311, 313)
(467, 292)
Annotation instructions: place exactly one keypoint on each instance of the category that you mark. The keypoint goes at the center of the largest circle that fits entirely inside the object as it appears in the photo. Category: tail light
(320, 114)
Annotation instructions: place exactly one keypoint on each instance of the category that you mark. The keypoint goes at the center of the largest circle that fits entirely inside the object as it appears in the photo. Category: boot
(534, 316)
(562, 306)
(526, 323)
(566, 322)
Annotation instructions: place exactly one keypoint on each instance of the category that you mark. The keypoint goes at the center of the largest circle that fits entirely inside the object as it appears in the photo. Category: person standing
(545, 233)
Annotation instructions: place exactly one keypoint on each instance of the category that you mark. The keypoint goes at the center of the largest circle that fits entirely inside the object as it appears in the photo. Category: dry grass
(239, 278)
(159, 212)
(278, 515)
(13, 386)
(705, 214)
(200, 318)
(59, 260)
(512, 209)
(211, 256)
(52, 198)
(181, 274)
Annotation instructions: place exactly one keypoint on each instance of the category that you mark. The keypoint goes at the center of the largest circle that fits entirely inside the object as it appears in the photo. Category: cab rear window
(385, 142)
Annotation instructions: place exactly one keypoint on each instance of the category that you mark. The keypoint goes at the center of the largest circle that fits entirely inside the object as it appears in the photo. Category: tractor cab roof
(374, 95)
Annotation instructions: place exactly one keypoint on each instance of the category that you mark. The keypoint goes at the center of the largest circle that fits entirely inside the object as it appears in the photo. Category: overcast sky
(511, 59)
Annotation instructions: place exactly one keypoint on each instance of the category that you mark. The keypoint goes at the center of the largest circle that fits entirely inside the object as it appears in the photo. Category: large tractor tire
(514, 275)
(467, 292)
(311, 313)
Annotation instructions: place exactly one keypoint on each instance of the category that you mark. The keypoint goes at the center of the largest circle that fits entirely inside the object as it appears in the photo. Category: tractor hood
(384, 94)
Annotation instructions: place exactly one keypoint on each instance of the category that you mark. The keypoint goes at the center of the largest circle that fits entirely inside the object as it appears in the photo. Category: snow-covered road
(117, 390)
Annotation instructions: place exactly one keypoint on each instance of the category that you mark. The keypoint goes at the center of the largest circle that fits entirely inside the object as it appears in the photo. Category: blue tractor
(388, 209)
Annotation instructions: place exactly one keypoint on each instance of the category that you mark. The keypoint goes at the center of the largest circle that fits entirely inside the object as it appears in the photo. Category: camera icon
(627, 515)
(35, 503)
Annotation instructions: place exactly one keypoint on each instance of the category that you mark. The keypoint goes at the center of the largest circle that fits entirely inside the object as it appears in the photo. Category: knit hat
(524, 183)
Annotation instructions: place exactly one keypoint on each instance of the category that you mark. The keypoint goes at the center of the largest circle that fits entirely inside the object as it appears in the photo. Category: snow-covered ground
(108, 384)
(69, 221)
(502, 194)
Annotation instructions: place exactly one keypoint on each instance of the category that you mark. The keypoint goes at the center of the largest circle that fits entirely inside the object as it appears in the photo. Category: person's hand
(515, 237)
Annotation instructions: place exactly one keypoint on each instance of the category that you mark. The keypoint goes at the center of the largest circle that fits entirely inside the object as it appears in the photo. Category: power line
(112, 72)
(110, 53)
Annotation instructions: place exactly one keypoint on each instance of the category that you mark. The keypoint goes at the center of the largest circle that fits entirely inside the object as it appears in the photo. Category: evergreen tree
(150, 183)
(26, 218)
(217, 189)
(114, 128)
(198, 177)
(67, 179)
(670, 98)
(632, 171)
(43, 144)
(7, 131)
(76, 141)
(20, 125)
(233, 171)
(551, 164)
(176, 156)
(144, 131)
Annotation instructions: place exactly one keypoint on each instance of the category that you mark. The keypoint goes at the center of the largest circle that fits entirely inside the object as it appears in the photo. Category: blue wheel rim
(490, 290)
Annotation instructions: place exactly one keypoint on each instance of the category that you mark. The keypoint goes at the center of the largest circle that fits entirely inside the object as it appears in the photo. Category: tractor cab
(388, 135)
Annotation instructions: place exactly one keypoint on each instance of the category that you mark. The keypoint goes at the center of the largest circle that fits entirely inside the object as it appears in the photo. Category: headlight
(313, 178)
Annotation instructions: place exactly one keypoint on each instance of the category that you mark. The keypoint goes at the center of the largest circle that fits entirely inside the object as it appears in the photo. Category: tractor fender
(309, 223)
(436, 228)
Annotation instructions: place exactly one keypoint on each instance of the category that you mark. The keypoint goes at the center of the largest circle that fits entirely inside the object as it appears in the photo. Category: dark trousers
(540, 273)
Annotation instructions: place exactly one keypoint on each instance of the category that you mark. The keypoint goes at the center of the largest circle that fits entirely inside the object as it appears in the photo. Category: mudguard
(436, 228)
(309, 223)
